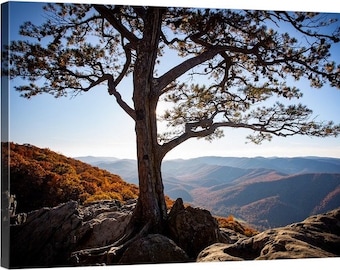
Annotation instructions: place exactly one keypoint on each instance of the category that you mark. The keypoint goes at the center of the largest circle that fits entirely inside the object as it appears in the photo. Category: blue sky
(93, 124)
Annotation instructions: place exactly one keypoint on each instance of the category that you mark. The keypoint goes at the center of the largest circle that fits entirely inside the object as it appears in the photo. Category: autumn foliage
(43, 178)
(231, 223)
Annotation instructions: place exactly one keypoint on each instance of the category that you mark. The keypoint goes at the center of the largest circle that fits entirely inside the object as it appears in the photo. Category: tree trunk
(151, 202)
(151, 207)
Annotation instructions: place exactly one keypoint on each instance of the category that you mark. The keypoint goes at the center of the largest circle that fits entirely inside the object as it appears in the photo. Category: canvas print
(142, 134)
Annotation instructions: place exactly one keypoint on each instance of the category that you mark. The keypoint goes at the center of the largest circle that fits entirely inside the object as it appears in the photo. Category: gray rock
(50, 235)
(231, 236)
(215, 253)
(316, 237)
(154, 248)
(192, 229)
(43, 237)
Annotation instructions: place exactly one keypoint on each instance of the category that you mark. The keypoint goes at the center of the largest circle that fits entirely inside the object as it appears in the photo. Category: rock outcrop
(193, 229)
(63, 236)
(50, 235)
(316, 237)
(154, 248)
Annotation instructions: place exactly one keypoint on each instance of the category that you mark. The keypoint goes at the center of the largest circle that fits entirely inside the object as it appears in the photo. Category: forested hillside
(43, 178)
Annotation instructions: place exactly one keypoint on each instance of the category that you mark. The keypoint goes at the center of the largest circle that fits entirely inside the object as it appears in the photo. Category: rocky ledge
(50, 235)
(62, 236)
(316, 237)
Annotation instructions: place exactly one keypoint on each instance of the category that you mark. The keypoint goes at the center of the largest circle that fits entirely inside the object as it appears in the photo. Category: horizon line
(209, 156)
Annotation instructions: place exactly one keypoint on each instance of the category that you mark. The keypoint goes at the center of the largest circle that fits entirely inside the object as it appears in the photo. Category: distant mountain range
(265, 192)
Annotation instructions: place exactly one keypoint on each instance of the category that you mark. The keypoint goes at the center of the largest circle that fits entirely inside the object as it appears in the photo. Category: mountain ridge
(273, 196)
(209, 181)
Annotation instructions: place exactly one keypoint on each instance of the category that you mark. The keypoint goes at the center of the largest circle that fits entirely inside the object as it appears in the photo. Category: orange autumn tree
(244, 58)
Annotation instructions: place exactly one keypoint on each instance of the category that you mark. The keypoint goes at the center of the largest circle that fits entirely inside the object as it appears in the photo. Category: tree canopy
(233, 61)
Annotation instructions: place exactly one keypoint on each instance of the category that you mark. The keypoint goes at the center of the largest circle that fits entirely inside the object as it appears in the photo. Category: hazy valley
(265, 192)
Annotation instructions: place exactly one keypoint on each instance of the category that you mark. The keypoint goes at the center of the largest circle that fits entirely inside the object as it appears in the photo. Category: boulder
(316, 237)
(50, 235)
(45, 237)
(215, 253)
(103, 223)
(231, 236)
(154, 248)
(192, 229)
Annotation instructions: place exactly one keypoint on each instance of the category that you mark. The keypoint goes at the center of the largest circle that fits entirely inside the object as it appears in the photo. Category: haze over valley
(265, 192)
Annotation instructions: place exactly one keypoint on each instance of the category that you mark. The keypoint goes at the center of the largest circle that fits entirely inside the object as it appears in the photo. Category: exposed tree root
(111, 253)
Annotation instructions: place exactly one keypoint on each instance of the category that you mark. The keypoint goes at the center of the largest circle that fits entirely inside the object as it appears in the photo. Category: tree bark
(151, 207)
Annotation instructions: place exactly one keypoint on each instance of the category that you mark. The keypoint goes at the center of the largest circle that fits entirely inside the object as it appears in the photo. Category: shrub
(231, 223)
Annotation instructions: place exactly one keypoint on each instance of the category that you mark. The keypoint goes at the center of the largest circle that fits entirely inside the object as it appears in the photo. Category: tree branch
(185, 66)
(299, 28)
(284, 127)
(120, 101)
(112, 91)
(109, 16)
(126, 65)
